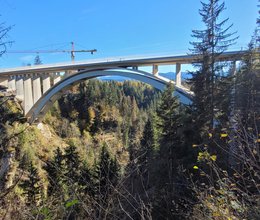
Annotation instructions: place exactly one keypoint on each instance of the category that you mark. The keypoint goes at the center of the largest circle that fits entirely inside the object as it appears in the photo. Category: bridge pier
(37, 92)
(69, 72)
(155, 70)
(56, 78)
(46, 83)
(4, 82)
(178, 74)
(11, 83)
(28, 94)
(19, 88)
(233, 68)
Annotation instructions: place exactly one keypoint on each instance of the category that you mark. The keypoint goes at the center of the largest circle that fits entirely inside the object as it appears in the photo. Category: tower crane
(72, 51)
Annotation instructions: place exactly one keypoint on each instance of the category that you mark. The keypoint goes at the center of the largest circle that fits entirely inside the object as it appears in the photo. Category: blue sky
(116, 28)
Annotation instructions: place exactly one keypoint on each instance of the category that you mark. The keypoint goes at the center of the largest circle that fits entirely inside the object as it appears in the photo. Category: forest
(124, 150)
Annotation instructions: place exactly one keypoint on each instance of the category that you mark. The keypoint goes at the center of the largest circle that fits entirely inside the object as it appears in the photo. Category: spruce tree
(86, 180)
(32, 186)
(211, 43)
(247, 95)
(55, 171)
(173, 128)
(167, 125)
(147, 148)
(106, 175)
(246, 105)
(72, 165)
(37, 60)
(168, 119)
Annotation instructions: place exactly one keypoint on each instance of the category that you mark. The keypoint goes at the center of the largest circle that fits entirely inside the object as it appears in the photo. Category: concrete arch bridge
(38, 87)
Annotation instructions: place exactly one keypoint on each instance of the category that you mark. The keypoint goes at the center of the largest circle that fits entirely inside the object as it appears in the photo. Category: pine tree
(211, 43)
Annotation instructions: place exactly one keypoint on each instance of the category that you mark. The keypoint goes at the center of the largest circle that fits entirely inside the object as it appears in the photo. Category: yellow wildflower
(213, 157)
(223, 135)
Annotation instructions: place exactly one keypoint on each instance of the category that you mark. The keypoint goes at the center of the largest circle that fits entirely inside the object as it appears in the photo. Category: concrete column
(135, 67)
(4, 82)
(46, 83)
(28, 94)
(69, 72)
(178, 74)
(56, 78)
(19, 88)
(37, 92)
(11, 83)
(155, 70)
(234, 68)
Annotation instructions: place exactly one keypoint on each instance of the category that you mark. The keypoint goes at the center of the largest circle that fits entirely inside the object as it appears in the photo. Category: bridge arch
(40, 108)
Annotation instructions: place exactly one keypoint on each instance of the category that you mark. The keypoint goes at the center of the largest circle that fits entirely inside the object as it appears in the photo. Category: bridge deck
(117, 62)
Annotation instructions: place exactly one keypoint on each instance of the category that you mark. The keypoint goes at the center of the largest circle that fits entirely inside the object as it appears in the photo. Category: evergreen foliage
(147, 146)
(107, 174)
(37, 60)
(55, 170)
(32, 186)
(211, 43)
(179, 162)
(72, 164)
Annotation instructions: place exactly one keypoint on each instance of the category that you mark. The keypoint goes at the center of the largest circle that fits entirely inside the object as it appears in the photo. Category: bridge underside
(40, 108)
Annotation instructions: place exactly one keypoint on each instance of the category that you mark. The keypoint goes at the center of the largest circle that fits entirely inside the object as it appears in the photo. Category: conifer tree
(211, 43)
(168, 124)
(247, 97)
(86, 180)
(246, 104)
(37, 60)
(168, 118)
(55, 170)
(174, 155)
(72, 165)
(114, 171)
(32, 186)
(147, 146)
(107, 173)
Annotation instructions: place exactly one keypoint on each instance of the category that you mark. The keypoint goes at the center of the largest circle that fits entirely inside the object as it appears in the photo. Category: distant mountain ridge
(169, 75)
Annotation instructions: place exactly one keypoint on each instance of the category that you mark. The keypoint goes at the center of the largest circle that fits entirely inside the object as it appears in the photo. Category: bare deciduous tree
(4, 41)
